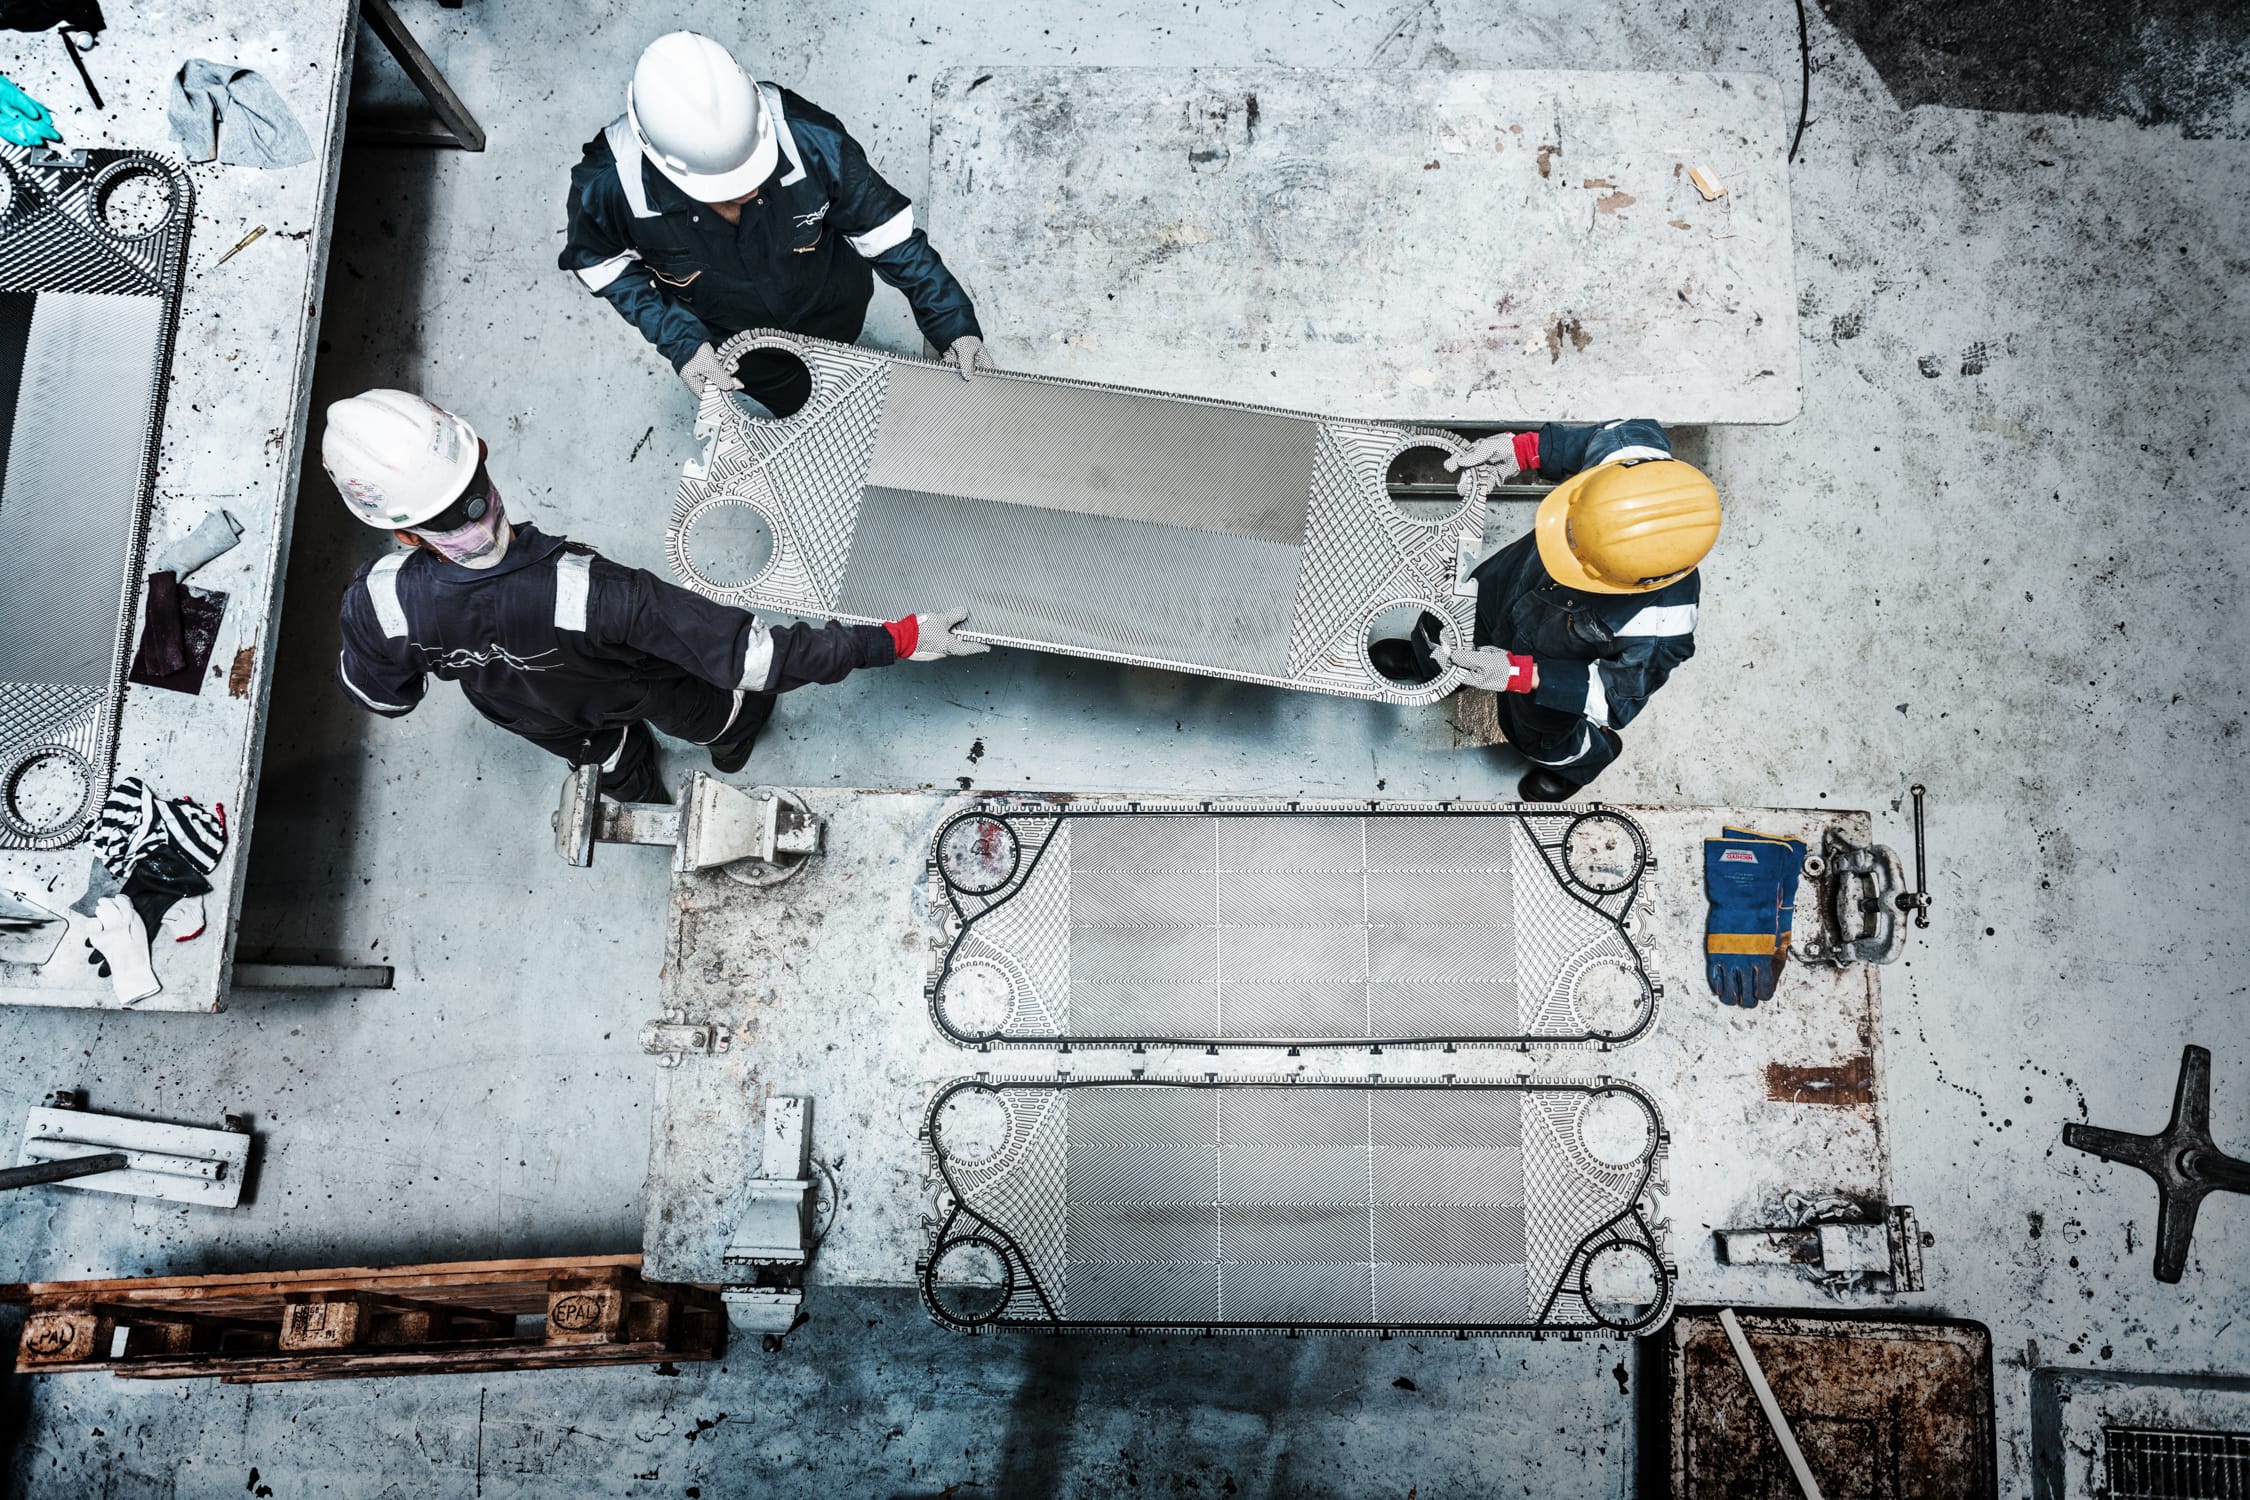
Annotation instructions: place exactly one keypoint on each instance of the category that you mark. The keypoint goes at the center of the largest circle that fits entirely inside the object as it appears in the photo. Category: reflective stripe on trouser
(686, 708)
(1566, 744)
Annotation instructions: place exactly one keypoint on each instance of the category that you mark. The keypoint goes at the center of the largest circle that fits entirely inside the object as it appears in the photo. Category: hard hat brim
(717, 187)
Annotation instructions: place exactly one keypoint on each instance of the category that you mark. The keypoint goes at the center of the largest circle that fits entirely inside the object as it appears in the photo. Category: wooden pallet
(458, 1316)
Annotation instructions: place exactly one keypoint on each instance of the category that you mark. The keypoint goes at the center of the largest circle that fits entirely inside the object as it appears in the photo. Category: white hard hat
(699, 118)
(397, 458)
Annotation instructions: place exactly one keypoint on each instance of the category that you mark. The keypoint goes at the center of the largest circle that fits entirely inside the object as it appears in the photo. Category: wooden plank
(462, 1273)
(322, 1321)
(516, 1355)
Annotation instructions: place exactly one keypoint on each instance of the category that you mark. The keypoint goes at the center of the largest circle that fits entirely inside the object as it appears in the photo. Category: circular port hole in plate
(1391, 654)
(972, 1126)
(1604, 853)
(1622, 1284)
(1610, 997)
(1615, 1129)
(1421, 488)
(729, 545)
(975, 999)
(48, 789)
(133, 200)
(970, 1280)
(978, 855)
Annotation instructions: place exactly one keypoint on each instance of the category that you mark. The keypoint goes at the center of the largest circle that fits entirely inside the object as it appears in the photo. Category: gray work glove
(1491, 668)
(703, 368)
(935, 635)
(967, 355)
(1498, 449)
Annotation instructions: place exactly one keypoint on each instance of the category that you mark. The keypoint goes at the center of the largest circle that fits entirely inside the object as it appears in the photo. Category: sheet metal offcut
(1263, 924)
(1308, 1207)
(1201, 536)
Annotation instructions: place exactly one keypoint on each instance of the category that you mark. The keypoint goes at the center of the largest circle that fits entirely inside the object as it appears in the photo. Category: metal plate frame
(1447, 1249)
(1012, 917)
(1357, 555)
(53, 240)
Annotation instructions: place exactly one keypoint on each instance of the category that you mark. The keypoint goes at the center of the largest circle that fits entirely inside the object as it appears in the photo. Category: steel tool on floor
(1201, 536)
(180, 1163)
(759, 837)
(1306, 1206)
(1862, 897)
(2183, 1158)
(1305, 924)
(92, 246)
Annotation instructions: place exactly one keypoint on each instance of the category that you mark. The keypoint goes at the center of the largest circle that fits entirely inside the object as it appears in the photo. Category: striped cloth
(135, 820)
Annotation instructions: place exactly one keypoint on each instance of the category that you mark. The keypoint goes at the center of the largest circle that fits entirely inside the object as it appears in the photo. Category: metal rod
(452, 111)
(1772, 1408)
(61, 1171)
(1921, 872)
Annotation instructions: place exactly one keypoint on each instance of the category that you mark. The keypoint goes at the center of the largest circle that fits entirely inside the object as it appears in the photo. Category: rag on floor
(230, 112)
(150, 852)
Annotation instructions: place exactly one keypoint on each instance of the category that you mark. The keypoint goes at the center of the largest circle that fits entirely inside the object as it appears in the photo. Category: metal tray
(1295, 1206)
(1289, 924)
(92, 250)
(1166, 531)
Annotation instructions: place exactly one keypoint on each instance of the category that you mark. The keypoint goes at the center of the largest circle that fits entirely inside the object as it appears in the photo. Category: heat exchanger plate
(1308, 925)
(91, 253)
(1491, 1208)
(1202, 536)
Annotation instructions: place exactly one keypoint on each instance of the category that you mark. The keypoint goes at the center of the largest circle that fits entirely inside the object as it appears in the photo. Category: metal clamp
(1861, 896)
(671, 1038)
(765, 1263)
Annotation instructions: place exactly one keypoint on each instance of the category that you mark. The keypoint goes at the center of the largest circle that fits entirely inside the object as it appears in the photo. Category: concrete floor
(2002, 552)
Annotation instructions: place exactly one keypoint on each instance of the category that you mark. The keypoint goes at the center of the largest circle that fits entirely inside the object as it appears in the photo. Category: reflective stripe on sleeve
(382, 588)
(1661, 619)
(757, 660)
(574, 571)
(888, 235)
(361, 693)
(598, 276)
(1597, 694)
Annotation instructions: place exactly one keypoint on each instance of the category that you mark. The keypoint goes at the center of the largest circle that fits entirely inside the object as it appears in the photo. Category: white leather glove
(1497, 450)
(967, 355)
(935, 637)
(703, 368)
(117, 946)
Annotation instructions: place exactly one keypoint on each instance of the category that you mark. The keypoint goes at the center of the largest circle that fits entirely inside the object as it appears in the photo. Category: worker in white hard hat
(548, 638)
(716, 204)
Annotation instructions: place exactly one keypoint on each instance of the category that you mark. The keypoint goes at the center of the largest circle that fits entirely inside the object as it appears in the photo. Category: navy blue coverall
(1600, 656)
(578, 654)
(799, 259)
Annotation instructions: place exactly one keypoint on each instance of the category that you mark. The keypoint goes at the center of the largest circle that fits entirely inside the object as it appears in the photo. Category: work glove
(967, 355)
(117, 948)
(1792, 868)
(703, 368)
(936, 634)
(1745, 879)
(1495, 670)
(24, 121)
(1497, 452)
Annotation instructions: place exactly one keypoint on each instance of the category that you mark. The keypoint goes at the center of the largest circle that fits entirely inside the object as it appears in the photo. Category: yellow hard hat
(1627, 527)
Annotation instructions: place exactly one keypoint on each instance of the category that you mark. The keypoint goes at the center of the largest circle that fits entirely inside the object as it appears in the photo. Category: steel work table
(820, 981)
(234, 428)
(1411, 246)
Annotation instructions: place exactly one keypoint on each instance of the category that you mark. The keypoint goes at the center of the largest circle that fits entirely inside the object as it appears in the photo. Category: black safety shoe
(1542, 785)
(730, 758)
(645, 785)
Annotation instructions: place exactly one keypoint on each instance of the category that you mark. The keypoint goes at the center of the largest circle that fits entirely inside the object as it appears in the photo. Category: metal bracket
(672, 1037)
(1889, 1247)
(759, 837)
(455, 126)
(768, 1252)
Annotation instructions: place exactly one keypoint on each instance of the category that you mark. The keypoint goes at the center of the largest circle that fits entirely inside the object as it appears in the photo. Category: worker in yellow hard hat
(1583, 617)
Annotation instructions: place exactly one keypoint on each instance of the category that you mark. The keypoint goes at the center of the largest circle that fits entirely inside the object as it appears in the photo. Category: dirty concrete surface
(2001, 552)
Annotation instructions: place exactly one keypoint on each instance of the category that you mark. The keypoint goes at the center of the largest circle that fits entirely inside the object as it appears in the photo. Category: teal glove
(24, 121)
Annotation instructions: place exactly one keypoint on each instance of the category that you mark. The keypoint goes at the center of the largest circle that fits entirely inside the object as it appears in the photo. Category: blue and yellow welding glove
(1785, 919)
(1743, 880)
(24, 121)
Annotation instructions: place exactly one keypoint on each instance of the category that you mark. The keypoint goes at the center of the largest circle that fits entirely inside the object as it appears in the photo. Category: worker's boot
(731, 755)
(645, 784)
(1542, 785)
